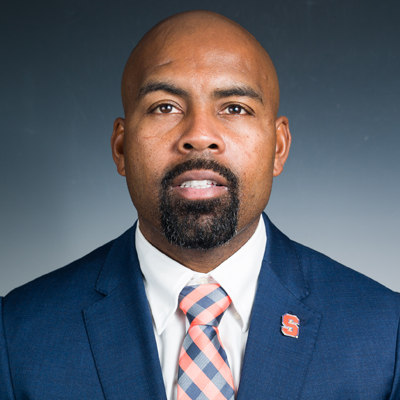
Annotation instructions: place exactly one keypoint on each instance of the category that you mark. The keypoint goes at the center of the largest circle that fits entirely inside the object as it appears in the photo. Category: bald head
(197, 34)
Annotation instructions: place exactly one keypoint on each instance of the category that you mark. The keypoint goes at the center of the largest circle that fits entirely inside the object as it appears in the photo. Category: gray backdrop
(61, 62)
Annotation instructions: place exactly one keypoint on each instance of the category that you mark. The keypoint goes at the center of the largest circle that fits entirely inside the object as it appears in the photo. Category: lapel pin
(290, 325)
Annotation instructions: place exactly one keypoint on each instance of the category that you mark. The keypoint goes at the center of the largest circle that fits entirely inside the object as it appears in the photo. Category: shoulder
(320, 280)
(73, 282)
(336, 285)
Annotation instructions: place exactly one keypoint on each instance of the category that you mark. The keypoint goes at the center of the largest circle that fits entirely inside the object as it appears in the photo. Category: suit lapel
(274, 365)
(120, 329)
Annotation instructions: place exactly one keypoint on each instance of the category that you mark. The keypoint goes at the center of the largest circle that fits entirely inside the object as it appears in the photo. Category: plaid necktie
(204, 372)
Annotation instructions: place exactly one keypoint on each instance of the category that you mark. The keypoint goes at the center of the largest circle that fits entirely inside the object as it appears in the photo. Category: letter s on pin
(290, 325)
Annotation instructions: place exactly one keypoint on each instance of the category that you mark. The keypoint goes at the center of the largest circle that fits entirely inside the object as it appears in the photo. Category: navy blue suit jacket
(85, 331)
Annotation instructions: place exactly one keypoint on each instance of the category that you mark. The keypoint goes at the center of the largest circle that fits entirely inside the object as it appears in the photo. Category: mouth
(199, 185)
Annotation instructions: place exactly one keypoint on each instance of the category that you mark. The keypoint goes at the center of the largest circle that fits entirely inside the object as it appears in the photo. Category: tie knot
(204, 304)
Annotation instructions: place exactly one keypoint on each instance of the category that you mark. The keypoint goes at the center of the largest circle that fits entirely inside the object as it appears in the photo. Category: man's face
(199, 138)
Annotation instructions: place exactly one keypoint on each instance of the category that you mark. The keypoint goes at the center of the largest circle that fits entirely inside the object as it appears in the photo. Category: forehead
(207, 58)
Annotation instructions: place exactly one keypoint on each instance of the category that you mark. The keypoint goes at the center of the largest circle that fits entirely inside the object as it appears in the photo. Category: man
(199, 146)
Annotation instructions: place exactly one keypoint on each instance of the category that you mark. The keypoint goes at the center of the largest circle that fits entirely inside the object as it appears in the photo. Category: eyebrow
(242, 91)
(151, 87)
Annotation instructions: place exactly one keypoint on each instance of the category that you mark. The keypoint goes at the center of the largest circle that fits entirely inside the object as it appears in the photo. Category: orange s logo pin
(290, 325)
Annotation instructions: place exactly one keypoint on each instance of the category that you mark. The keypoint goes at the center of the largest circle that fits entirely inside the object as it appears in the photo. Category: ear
(117, 145)
(283, 140)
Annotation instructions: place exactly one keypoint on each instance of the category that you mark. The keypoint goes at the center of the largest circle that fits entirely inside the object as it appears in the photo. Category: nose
(201, 133)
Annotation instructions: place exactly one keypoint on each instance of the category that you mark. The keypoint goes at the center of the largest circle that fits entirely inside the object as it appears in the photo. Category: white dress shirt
(164, 279)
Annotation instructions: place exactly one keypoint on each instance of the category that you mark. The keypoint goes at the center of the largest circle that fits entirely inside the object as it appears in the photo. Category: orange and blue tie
(204, 372)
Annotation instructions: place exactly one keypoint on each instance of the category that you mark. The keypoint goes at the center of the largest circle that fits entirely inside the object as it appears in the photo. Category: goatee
(199, 224)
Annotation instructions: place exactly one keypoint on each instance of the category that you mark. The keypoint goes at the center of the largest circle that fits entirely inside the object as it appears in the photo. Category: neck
(198, 260)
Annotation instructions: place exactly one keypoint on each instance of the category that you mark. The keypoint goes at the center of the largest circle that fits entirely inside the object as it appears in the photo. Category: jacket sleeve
(6, 389)
(395, 395)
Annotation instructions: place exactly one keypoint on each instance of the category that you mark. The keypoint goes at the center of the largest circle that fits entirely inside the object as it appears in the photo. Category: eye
(166, 108)
(234, 109)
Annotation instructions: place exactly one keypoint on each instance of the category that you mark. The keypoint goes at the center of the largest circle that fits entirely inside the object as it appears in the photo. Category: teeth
(198, 184)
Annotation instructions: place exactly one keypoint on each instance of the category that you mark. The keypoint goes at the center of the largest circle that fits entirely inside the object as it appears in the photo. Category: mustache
(199, 163)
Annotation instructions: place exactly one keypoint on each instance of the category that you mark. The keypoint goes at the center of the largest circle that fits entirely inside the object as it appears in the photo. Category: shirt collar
(164, 278)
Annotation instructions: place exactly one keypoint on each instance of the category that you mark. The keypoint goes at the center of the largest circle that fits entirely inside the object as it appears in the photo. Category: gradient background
(338, 62)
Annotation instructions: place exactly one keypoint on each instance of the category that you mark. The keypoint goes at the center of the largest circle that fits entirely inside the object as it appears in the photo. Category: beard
(199, 224)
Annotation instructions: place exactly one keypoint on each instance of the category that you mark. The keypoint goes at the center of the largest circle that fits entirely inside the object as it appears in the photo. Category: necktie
(204, 372)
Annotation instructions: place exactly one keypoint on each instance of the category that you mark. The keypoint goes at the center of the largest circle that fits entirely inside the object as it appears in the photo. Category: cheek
(145, 165)
(254, 157)
(254, 164)
(146, 154)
